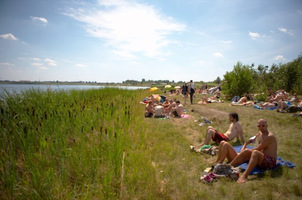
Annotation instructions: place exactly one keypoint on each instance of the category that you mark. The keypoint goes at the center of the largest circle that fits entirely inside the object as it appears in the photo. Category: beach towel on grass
(258, 107)
(186, 116)
(258, 170)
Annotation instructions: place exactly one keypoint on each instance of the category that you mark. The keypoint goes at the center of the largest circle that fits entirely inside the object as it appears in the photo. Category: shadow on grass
(277, 172)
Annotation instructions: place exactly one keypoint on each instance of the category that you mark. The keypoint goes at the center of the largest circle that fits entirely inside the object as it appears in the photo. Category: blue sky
(117, 40)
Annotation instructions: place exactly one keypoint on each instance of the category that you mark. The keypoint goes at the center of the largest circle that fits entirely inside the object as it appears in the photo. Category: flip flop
(207, 179)
(212, 175)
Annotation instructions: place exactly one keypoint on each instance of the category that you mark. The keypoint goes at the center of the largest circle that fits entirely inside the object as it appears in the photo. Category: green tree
(218, 80)
(239, 81)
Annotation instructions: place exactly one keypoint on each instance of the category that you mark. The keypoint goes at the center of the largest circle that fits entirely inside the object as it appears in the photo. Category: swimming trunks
(175, 113)
(268, 162)
(149, 114)
(218, 137)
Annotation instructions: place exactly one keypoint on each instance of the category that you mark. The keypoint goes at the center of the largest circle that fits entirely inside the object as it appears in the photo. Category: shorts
(218, 137)
(175, 113)
(150, 114)
(268, 162)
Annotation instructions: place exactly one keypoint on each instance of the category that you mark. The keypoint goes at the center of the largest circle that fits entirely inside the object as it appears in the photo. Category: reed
(96, 144)
(61, 144)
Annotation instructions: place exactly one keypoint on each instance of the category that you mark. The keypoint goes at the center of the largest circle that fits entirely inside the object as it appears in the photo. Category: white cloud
(218, 55)
(40, 66)
(8, 36)
(226, 41)
(81, 65)
(37, 64)
(284, 30)
(254, 36)
(279, 57)
(7, 64)
(50, 62)
(36, 59)
(40, 19)
(43, 68)
(128, 27)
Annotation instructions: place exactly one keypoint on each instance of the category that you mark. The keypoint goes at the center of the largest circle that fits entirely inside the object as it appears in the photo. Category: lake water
(22, 87)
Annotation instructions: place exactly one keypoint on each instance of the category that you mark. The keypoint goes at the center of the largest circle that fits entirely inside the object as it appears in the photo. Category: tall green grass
(96, 144)
(58, 144)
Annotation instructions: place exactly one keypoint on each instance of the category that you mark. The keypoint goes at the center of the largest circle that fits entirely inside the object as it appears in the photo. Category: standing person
(185, 92)
(235, 130)
(191, 90)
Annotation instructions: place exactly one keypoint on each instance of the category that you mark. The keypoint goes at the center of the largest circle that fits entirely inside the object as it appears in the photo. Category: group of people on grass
(166, 109)
(278, 100)
(263, 155)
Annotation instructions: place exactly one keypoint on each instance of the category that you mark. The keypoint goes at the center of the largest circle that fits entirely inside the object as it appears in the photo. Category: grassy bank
(96, 144)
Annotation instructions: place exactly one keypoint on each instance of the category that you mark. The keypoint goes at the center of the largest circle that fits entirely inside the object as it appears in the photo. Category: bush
(239, 81)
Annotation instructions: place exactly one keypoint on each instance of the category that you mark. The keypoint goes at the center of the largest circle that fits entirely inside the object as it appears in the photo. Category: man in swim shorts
(178, 110)
(264, 155)
(235, 130)
(149, 110)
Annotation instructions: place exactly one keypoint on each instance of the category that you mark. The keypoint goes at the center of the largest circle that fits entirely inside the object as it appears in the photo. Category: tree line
(250, 79)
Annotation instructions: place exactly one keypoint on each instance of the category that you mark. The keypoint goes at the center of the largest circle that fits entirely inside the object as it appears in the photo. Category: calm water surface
(22, 87)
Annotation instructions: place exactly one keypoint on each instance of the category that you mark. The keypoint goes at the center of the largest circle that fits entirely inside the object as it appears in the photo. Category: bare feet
(241, 179)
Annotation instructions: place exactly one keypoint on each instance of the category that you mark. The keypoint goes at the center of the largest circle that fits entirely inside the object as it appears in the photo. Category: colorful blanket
(258, 170)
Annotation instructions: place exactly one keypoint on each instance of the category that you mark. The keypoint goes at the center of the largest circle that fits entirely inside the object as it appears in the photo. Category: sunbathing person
(281, 96)
(149, 110)
(166, 103)
(271, 94)
(243, 101)
(264, 155)
(159, 111)
(268, 105)
(235, 130)
(168, 109)
(178, 109)
(292, 108)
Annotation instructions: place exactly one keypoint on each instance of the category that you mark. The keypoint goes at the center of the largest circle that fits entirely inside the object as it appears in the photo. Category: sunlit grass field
(96, 144)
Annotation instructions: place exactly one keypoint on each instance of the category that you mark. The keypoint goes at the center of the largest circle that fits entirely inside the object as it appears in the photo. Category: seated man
(235, 130)
(149, 109)
(166, 103)
(264, 155)
(168, 109)
(178, 110)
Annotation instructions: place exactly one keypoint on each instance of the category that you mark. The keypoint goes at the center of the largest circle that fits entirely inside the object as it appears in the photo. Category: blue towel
(259, 170)
(258, 107)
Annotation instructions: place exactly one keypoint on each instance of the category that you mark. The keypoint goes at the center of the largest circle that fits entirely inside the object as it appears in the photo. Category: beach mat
(258, 170)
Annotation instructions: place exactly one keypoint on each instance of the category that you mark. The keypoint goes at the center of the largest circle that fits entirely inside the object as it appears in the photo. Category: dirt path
(195, 133)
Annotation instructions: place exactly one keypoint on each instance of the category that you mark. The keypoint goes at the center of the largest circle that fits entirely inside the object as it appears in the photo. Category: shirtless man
(235, 130)
(178, 110)
(264, 155)
(149, 110)
(168, 109)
